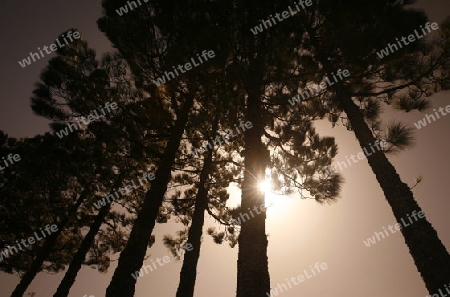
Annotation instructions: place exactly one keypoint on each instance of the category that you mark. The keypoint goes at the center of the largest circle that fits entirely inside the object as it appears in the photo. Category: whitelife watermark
(11, 250)
(311, 92)
(166, 259)
(423, 122)
(124, 9)
(380, 235)
(280, 16)
(361, 155)
(441, 294)
(411, 38)
(318, 267)
(10, 160)
(225, 137)
(53, 47)
(86, 121)
(124, 191)
(188, 66)
(243, 216)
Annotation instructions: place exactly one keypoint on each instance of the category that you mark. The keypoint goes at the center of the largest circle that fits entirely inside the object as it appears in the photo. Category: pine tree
(246, 63)
(339, 37)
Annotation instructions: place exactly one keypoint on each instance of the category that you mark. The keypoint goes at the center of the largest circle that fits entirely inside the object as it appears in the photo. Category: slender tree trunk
(43, 253)
(430, 255)
(252, 266)
(77, 261)
(36, 265)
(188, 272)
(132, 257)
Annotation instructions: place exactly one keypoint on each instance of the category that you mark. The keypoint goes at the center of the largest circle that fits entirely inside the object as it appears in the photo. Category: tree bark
(77, 261)
(430, 255)
(43, 253)
(252, 266)
(188, 272)
(132, 257)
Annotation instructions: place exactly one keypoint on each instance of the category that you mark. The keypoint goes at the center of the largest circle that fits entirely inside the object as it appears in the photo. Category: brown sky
(301, 232)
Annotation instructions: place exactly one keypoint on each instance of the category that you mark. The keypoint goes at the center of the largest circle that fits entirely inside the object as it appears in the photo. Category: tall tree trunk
(188, 272)
(43, 253)
(252, 266)
(132, 257)
(430, 255)
(77, 261)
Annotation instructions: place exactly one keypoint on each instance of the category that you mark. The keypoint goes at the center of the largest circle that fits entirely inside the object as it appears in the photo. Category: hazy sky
(301, 232)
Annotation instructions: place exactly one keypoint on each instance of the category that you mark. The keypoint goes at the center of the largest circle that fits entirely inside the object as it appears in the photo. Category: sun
(265, 186)
(276, 203)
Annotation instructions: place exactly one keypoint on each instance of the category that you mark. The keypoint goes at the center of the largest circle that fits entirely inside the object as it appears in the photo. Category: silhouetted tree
(339, 36)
